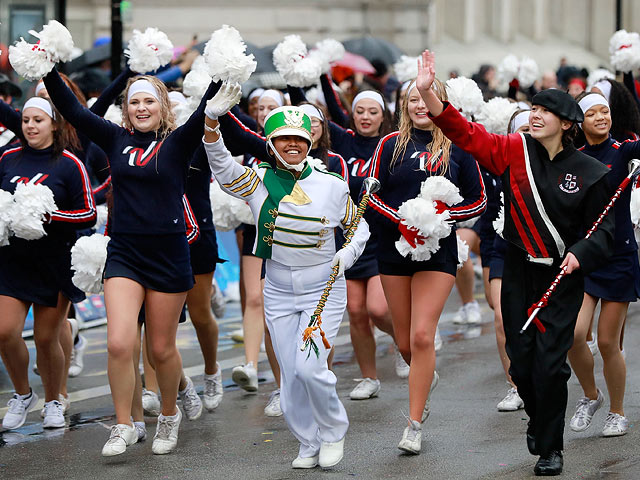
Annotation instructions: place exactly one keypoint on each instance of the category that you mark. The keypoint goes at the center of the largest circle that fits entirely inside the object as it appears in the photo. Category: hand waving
(227, 97)
(426, 71)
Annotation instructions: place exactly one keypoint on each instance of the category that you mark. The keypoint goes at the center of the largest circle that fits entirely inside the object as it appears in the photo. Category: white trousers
(308, 397)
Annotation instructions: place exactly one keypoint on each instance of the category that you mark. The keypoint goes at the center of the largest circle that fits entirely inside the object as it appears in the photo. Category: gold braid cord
(315, 323)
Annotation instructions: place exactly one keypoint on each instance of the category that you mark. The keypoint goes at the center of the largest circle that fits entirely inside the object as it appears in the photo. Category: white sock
(211, 377)
(170, 417)
(27, 396)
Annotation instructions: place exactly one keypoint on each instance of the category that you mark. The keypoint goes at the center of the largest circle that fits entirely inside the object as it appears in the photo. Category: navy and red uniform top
(197, 192)
(148, 172)
(550, 204)
(616, 156)
(402, 182)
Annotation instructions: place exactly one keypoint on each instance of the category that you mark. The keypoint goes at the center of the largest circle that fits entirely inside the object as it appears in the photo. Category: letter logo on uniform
(569, 183)
(139, 157)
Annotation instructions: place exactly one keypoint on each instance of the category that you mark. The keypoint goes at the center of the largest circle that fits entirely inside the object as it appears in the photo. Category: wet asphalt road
(464, 438)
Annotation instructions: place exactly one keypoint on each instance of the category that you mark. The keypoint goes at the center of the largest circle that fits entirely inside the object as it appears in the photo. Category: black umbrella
(262, 56)
(90, 57)
(373, 48)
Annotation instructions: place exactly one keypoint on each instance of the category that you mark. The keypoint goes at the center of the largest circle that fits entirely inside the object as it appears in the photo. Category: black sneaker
(550, 465)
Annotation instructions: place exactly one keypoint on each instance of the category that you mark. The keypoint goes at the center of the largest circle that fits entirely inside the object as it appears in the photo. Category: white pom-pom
(624, 48)
(6, 207)
(183, 111)
(597, 75)
(441, 189)
(225, 56)
(102, 215)
(32, 204)
(495, 115)
(197, 81)
(228, 212)
(465, 95)
(56, 40)
(463, 252)
(88, 257)
(29, 61)
(326, 52)
(294, 64)
(508, 68)
(528, 72)
(406, 68)
(317, 164)
(148, 51)
(114, 114)
(635, 207)
(498, 223)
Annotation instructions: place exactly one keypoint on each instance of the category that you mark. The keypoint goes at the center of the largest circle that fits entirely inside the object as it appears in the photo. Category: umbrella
(373, 48)
(357, 63)
(262, 56)
(90, 57)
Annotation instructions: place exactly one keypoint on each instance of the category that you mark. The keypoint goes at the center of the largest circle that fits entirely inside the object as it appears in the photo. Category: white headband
(591, 100)
(371, 95)
(274, 95)
(177, 97)
(312, 111)
(41, 104)
(519, 120)
(406, 85)
(604, 87)
(142, 86)
(256, 93)
(39, 87)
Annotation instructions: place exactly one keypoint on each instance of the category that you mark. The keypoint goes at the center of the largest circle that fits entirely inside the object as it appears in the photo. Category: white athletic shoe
(474, 316)
(166, 437)
(615, 425)
(273, 409)
(18, 410)
(213, 391)
(411, 438)
(402, 369)
(246, 377)
(121, 437)
(460, 317)
(305, 462)
(141, 430)
(77, 357)
(585, 409)
(218, 304)
(437, 341)
(331, 453)
(511, 402)
(427, 406)
(191, 402)
(66, 404)
(150, 403)
(53, 415)
(367, 388)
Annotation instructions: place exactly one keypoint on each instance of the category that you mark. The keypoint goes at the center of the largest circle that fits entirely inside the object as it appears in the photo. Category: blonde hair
(167, 117)
(438, 140)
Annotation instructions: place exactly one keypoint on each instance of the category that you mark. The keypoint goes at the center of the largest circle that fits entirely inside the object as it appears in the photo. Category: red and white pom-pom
(624, 48)
(508, 68)
(328, 51)
(88, 257)
(528, 72)
(32, 203)
(599, 74)
(29, 61)
(225, 56)
(463, 251)
(56, 40)
(498, 223)
(421, 213)
(294, 64)
(228, 211)
(465, 95)
(6, 207)
(406, 68)
(149, 50)
(495, 115)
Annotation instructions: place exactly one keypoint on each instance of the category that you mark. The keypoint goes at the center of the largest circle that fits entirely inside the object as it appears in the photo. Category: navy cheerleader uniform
(148, 242)
(619, 281)
(401, 182)
(484, 226)
(36, 271)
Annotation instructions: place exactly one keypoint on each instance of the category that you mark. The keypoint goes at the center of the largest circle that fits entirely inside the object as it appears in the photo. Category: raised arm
(296, 95)
(338, 113)
(241, 139)
(111, 93)
(630, 83)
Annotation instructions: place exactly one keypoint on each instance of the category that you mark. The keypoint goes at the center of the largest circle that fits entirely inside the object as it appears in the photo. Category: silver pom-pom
(32, 203)
(225, 55)
(149, 50)
(88, 257)
(495, 115)
(291, 59)
(465, 95)
(406, 68)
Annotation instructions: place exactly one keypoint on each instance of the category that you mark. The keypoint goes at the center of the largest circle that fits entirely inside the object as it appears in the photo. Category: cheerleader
(38, 272)
(553, 194)
(416, 291)
(296, 208)
(614, 286)
(148, 255)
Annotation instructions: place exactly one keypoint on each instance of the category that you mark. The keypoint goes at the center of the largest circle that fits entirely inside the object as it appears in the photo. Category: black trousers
(539, 360)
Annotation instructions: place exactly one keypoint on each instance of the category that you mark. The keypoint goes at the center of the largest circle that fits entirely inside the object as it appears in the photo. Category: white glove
(228, 96)
(344, 258)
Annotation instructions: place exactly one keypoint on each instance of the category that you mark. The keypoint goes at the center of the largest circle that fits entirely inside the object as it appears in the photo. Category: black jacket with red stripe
(550, 204)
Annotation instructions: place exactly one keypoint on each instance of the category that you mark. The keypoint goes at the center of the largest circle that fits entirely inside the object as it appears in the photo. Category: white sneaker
(218, 304)
(427, 406)
(585, 409)
(305, 462)
(238, 335)
(411, 438)
(615, 425)
(460, 317)
(166, 438)
(141, 430)
(150, 403)
(66, 404)
(474, 316)
(367, 388)
(246, 377)
(273, 409)
(437, 341)
(77, 357)
(511, 402)
(121, 437)
(53, 415)
(18, 409)
(331, 453)
(593, 346)
(402, 369)
(191, 402)
(213, 391)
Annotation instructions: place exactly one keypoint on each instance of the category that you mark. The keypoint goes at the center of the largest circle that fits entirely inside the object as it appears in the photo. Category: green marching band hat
(288, 121)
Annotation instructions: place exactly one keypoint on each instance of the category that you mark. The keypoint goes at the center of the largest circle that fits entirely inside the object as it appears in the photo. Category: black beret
(560, 103)
(7, 87)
